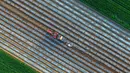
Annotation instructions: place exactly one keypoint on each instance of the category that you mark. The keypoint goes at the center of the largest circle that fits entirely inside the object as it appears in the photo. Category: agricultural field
(97, 47)
(117, 10)
(10, 65)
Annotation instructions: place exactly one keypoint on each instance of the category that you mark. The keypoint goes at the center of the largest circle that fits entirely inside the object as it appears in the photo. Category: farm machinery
(59, 37)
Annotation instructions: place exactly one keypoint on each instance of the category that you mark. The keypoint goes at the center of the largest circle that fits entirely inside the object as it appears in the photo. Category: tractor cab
(50, 31)
(55, 35)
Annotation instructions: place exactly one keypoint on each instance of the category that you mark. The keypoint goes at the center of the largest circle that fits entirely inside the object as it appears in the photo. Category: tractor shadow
(53, 41)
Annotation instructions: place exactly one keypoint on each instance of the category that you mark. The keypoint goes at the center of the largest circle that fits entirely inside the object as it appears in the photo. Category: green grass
(8, 64)
(117, 10)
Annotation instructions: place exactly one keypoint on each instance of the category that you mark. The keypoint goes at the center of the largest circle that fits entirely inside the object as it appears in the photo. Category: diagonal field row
(99, 45)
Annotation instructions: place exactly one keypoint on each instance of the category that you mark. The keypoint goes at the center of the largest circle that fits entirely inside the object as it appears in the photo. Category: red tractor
(59, 37)
(54, 34)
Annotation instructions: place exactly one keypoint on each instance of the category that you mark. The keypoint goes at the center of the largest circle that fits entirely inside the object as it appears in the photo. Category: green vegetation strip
(117, 10)
(8, 64)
